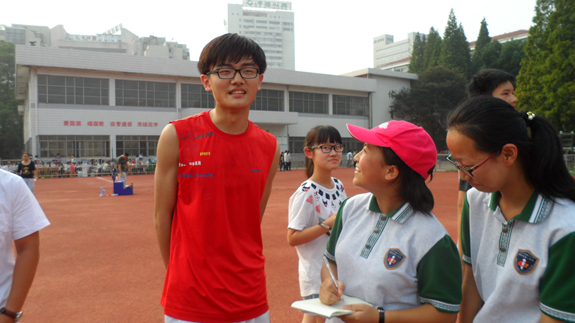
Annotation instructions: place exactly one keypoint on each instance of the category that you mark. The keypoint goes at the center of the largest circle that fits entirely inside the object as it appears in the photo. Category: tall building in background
(270, 24)
(115, 40)
(392, 56)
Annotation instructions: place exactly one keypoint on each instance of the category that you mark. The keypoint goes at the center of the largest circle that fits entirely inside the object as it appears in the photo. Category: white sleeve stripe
(453, 308)
(565, 316)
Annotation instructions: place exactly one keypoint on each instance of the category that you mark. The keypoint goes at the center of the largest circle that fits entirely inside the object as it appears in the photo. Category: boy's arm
(27, 256)
(166, 188)
(268, 189)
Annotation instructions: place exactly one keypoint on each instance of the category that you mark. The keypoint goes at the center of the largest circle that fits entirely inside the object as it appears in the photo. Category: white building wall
(110, 120)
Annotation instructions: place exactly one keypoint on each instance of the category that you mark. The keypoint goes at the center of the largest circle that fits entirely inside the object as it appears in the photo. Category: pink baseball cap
(411, 143)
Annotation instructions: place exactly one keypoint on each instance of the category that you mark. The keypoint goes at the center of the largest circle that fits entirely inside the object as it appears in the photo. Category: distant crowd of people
(70, 166)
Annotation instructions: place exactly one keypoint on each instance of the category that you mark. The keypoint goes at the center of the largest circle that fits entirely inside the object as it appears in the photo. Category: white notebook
(315, 306)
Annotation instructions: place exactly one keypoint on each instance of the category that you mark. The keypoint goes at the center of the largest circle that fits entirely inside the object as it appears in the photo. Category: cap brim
(365, 135)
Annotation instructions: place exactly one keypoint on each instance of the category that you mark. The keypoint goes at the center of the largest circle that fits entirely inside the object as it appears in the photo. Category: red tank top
(216, 269)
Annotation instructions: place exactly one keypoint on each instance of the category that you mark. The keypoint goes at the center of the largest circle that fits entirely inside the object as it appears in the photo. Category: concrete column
(113, 146)
(286, 99)
(178, 98)
(112, 93)
(330, 104)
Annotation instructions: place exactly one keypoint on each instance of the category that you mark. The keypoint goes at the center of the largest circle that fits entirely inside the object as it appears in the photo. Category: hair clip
(530, 115)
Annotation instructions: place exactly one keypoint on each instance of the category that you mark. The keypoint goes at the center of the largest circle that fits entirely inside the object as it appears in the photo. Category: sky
(331, 37)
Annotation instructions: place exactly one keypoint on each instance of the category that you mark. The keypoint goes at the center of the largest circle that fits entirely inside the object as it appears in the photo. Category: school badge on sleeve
(525, 262)
(393, 258)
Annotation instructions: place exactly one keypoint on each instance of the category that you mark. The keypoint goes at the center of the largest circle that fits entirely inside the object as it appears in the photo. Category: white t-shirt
(308, 206)
(349, 155)
(20, 216)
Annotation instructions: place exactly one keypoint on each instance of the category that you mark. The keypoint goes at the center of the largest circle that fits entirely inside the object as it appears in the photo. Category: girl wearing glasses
(518, 223)
(386, 247)
(313, 206)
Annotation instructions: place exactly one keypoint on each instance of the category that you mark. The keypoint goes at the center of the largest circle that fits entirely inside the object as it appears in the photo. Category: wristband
(381, 315)
(325, 225)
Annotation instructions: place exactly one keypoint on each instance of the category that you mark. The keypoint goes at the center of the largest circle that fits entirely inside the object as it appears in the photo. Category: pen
(330, 272)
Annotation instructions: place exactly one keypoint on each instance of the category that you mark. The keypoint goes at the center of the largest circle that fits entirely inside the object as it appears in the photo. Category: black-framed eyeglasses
(468, 171)
(326, 149)
(230, 73)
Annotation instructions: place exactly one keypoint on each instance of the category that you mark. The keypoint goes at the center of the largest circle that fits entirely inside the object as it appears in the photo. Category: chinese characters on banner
(112, 123)
(281, 5)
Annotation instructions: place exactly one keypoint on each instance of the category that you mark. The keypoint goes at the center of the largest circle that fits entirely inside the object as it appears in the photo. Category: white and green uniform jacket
(397, 261)
(524, 265)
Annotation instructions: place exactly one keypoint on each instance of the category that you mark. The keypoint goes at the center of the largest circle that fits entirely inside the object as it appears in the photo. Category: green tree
(432, 50)
(490, 55)
(546, 82)
(483, 40)
(455, 49)
(437, 91)
(11, 124)
(511, 55)
(416, 65)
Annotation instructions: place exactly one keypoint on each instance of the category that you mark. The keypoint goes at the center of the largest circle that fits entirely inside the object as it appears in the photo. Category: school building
(100, 105)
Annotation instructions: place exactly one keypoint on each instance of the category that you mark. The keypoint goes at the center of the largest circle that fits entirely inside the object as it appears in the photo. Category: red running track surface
(100, 261)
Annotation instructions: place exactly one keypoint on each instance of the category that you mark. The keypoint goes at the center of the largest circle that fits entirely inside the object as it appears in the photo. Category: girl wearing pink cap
(386, 247)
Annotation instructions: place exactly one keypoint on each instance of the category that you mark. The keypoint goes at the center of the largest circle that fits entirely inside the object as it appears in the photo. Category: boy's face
(505, 92)
(234, 93)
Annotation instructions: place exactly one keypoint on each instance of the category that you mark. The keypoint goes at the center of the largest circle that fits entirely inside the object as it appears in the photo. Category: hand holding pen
(331, 289)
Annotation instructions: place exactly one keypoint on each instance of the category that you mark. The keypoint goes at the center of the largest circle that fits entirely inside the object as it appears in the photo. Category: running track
(100, 261)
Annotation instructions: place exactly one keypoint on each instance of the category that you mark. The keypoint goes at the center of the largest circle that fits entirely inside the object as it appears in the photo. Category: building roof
(34, 56)
(504, 36)
(378, 72)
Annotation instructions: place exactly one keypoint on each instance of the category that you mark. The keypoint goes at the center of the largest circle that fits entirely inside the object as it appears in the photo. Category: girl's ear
(308, 153)
(509, 153)
(392, 173)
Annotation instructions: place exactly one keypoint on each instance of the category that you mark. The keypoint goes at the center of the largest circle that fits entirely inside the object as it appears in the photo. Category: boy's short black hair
(486, 81)
(231, 48)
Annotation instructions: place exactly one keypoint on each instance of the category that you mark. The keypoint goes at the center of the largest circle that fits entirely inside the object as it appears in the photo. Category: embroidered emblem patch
(309, 199)
(525, 262)
(393, 258)
(383, 125)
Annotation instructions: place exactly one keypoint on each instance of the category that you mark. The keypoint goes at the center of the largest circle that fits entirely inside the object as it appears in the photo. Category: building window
(16, 36)
(196, 96)
(304, 102)
(350, 105)
(351, 144)
(269, 100)
(73, 90)
(145, 94)
(296, 144)
(79, 146)
(136, 145)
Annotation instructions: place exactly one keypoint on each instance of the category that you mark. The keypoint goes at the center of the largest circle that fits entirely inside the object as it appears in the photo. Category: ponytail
(493, 123)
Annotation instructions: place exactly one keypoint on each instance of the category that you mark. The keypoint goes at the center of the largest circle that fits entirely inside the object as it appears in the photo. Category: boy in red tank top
(213, 180)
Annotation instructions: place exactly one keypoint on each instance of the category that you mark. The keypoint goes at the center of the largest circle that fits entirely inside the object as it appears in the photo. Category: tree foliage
(482, 40)
(432, 50)
(11, 124)
(546, 82)
(511, 55)
(455, 49)
(438, 91)
(417, 64)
